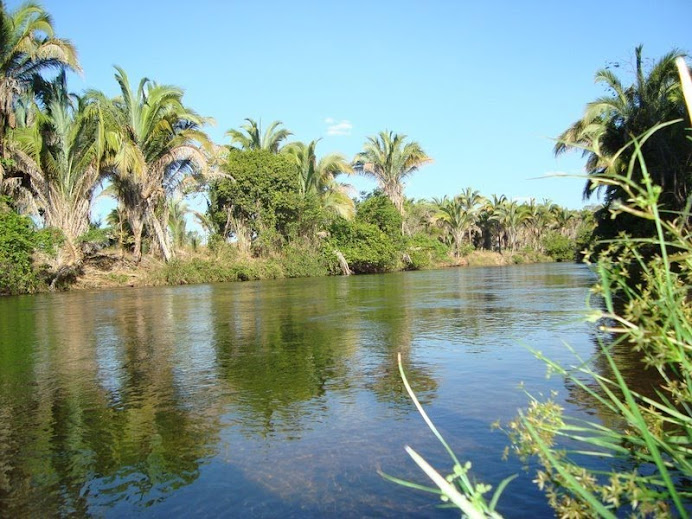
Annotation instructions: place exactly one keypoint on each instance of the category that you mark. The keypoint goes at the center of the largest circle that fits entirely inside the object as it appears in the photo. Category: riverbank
(114, 270)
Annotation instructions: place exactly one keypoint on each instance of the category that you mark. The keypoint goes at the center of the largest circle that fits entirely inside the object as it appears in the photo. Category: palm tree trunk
(160, 235)
(137, 225)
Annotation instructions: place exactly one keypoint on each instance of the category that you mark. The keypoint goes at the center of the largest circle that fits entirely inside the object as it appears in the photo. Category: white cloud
(338, 127)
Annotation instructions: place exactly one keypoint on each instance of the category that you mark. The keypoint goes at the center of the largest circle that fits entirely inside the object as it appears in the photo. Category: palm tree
(389, 159)
(154, 143)
(318, 177)
(250, 136)
(563, 220)
(27, 47)
(511, 216)
(454, 218)
(471, 200)
(60, 156)
(117, 220)
(611, 122)
(177, 225)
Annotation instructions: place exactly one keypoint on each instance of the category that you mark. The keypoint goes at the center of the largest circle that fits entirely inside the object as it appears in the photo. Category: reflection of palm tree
(279, 359)
(140, 433)
(393, 324)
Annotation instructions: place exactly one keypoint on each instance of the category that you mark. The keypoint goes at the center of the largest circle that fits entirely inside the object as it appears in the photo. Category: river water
(277, 398)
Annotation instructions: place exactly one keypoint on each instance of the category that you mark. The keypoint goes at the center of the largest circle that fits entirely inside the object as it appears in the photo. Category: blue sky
(482, 86)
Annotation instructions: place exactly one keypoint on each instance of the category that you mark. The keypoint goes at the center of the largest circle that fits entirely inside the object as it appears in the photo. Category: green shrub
(379, 210)
(304, 261)
(425, 251)
(366, 248)
(18, 241)
(98, 236)
(558, 246)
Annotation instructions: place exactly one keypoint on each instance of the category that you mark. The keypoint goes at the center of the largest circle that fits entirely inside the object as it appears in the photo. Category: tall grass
(652, 316)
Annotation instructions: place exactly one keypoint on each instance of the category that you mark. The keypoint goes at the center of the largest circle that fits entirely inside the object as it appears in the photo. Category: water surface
(276, 399)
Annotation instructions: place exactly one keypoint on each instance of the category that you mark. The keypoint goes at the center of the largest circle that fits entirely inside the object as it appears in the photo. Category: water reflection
(220, 397)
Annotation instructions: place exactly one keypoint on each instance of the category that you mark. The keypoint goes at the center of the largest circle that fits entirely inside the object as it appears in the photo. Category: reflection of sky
(110, 359)
(193, 355)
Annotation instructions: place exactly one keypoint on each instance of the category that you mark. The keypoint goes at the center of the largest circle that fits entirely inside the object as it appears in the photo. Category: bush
(425, 251)
(304, 261)
(558, 246)
(366, 248)
(379, 210)
(18, 241)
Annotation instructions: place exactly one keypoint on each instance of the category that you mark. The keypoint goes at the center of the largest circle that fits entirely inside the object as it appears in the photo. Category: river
(277, 398)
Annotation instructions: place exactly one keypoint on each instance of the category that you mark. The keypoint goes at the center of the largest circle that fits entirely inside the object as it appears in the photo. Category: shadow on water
(274, 398)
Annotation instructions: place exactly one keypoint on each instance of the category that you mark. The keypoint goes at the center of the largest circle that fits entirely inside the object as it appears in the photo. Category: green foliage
(528, 255)
(366, 248)
(214, 270)
(263, 195)
(584, 240)
(558, 246)
(389, 159)
(17, 243)
(425, 251)
(98, 236)
(605, 130)
(48, 241)
(379, 210)
(302, 260)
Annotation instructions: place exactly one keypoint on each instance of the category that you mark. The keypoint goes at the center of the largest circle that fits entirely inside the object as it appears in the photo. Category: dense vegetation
(275, 207)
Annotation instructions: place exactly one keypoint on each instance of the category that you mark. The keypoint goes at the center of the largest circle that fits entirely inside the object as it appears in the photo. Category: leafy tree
(154, 142)
(511, 217)
(611, 122)
(250, 136)
(558, 246)
(117, 220)
(389, 159)
(177, 225)
(489, 224)
(471, 202)
(380, 211)
(262, 195)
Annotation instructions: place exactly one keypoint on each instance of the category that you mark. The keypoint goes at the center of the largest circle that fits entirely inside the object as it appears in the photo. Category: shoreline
(108, 271)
